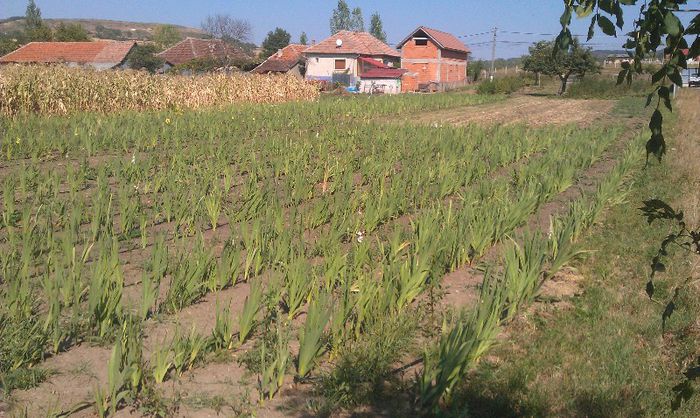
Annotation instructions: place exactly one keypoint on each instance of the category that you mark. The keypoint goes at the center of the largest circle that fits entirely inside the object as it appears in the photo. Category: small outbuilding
(379, 78)
(101, 55)
(191, 49)
(288, 60)
(433, 58)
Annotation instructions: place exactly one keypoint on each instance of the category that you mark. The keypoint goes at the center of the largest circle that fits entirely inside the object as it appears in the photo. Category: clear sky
(464, 17)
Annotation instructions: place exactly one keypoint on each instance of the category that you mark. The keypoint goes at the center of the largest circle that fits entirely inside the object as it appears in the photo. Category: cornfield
(59, 90)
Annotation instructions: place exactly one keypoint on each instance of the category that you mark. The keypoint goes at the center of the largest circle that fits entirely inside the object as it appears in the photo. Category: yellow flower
(18, 141)
(167, 121)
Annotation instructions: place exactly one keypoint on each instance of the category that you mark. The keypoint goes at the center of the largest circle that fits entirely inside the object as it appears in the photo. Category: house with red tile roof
(101, 55)
(194, 48)
(337, 58)
(433, 58)
(288, 60)
(377, 77)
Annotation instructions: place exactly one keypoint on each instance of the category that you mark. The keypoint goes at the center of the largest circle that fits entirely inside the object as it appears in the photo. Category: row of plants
(66, 237)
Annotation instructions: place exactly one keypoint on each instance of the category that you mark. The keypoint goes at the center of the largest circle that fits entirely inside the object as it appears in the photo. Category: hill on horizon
(105, 28)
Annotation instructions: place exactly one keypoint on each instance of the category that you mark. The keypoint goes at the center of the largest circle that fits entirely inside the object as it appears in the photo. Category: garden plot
(272, 239)
(530, 110)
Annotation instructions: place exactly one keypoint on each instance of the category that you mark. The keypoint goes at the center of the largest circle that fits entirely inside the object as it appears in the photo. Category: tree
(357, 22)
(546, 59)
(227, 28)
(475, 69)
(303, 39)
(8, 44)
(376, 28)
(656, 25)
(166, 36)
(341, 18)
(32, 16)
(144, 57)
(71, 32)
(35, 28)
(274, 41)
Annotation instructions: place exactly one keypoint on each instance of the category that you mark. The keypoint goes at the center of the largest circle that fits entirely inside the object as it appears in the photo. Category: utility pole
(493, 53)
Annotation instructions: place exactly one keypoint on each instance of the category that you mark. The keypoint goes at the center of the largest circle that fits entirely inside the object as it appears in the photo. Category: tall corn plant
(311, 345)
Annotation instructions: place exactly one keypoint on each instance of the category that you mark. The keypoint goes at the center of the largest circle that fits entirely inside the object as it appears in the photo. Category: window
(421, 41)
(340, 64)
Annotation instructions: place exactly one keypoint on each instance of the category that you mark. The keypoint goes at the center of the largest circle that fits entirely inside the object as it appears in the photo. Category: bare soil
(529, 110)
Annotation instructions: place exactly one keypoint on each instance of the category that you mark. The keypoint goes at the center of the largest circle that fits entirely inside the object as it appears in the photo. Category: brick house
(336, 58)
(434, 59)
(101, 55)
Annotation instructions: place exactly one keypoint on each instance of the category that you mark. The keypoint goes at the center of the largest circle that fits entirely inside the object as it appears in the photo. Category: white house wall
(383, 85)
(322, 67)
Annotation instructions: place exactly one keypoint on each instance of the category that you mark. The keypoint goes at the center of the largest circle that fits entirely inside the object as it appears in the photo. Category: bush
(503, 85)
(604, 88)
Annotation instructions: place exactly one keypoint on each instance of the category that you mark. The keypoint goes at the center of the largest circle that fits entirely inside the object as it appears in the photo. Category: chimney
(313, 42)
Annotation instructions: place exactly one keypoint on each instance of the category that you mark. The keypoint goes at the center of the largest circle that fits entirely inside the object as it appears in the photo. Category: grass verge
(606, 353)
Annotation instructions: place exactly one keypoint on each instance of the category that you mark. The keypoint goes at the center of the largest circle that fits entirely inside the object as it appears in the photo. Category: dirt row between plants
(531, 110)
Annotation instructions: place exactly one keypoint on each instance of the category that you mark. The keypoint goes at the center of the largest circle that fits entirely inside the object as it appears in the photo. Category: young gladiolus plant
(311, 344)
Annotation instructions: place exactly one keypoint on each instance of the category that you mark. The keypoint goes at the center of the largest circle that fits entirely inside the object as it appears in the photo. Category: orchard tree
(547, 59)
(303, 39)
(166, 36)
(376, 28)
(274, 41)
(340, 20)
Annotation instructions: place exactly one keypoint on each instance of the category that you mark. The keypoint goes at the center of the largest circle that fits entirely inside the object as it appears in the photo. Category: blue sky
(464, 17)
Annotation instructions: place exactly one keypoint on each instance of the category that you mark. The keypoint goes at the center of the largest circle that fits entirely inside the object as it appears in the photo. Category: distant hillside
(104, 29)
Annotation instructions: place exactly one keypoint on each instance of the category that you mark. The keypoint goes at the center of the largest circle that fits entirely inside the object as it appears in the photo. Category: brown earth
(530, 110)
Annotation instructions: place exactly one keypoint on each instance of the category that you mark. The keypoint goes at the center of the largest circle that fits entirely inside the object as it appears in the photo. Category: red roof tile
(192, 48)
(98, 52)
(443, 39)
(384, 73)
(282, 61)
(356, 43)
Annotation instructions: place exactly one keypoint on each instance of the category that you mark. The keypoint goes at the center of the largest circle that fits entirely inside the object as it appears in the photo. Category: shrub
(503, 85)
(604, 88)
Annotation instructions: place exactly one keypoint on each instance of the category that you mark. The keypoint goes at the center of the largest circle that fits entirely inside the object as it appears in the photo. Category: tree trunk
(564, 78)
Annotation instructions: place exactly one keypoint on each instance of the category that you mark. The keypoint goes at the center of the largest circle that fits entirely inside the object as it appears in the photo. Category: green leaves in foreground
(461, 347)
(251, 306)
(311, 345)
